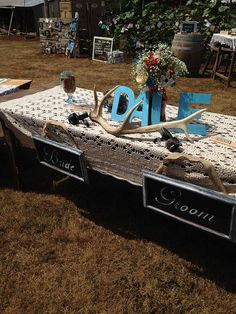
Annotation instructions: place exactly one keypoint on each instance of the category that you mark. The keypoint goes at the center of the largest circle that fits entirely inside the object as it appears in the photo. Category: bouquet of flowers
(158, 68)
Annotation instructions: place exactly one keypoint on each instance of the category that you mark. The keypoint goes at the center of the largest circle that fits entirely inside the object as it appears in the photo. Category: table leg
(227, 75)
(208, 62)
(217, 63)
(230, 69)
(12, 149)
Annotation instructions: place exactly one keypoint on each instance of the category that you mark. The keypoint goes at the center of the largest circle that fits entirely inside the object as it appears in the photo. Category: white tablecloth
(224, 40)
(124, 157)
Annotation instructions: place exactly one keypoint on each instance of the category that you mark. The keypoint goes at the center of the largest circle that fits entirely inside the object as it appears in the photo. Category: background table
(126, 156)
(8, 86)
(226, 49)
(224, 39)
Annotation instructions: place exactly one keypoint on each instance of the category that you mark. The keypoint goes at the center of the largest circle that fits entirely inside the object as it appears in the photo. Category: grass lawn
(94, 248)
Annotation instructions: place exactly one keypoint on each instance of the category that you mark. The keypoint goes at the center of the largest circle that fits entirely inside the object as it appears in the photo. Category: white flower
(160, 66)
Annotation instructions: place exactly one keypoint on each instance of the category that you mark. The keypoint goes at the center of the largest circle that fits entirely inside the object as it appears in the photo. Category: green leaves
(189, 2)
(158, 21)
(223, 9)
(206, 12)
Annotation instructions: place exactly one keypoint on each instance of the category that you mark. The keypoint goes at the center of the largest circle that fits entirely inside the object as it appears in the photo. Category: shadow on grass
(117, 205)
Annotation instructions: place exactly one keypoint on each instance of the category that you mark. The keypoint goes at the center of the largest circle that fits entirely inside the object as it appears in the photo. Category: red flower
(171, 72)
(151, 61)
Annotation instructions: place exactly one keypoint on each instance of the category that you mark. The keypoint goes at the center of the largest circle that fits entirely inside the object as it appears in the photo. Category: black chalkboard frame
(105, 39)
(188, 24)
(73, 151)
(201, 192)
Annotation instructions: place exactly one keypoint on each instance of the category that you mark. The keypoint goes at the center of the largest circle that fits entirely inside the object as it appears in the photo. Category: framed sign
(188, 27)
(197, 206)
(64, 159)
(101, 46)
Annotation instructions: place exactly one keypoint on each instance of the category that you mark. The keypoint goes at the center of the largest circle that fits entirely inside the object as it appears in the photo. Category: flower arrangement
(158, 68)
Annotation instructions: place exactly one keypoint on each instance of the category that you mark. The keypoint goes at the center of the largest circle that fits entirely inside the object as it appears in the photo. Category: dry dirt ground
(94, 248)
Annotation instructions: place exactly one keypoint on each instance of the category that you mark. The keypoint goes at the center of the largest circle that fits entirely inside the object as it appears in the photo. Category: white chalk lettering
(53, 157)
(193, 211)
(184, 208)
(168, 197)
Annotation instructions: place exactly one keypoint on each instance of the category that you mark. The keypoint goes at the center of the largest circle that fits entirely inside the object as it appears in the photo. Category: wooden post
(12, 13)
(65, 11)
(46, 8)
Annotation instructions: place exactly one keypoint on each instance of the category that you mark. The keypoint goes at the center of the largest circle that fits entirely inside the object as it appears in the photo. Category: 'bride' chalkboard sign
(101, 46)
(200, 207)
(59, 157)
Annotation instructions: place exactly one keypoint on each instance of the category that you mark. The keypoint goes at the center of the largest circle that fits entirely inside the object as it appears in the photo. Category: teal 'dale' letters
(141, 114)
(184, 111)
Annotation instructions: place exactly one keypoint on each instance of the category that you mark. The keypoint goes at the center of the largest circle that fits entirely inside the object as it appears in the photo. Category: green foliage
(158, 21)
(212, 16)
(138, 23)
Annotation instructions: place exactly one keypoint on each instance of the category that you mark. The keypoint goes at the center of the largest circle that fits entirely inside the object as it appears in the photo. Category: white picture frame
(101, 46)
(188, 27)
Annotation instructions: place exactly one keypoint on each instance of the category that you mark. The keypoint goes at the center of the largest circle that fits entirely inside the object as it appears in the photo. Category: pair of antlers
(127, 128)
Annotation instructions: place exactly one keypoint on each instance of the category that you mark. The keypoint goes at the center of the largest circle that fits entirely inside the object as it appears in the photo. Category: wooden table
(224, 39)
(8, 86)
(129, 157)
(226, 46)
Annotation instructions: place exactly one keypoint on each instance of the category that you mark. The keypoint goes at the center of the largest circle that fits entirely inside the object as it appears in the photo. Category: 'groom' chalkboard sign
(203, 208)
(67, 160)
(101, 46)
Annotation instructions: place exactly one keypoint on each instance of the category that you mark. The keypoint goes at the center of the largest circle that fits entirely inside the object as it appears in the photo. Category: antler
(127, 128)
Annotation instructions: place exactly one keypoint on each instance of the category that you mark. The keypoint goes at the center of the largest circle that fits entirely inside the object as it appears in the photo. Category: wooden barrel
(189, 47)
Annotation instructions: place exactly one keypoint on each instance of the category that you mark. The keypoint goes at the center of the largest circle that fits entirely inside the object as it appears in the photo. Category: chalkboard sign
(62, 158)
(188, 27)
(203, 208)
(101, 46)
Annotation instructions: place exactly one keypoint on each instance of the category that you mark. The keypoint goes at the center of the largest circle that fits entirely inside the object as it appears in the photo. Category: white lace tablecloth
(224, 40)
(124, 157)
